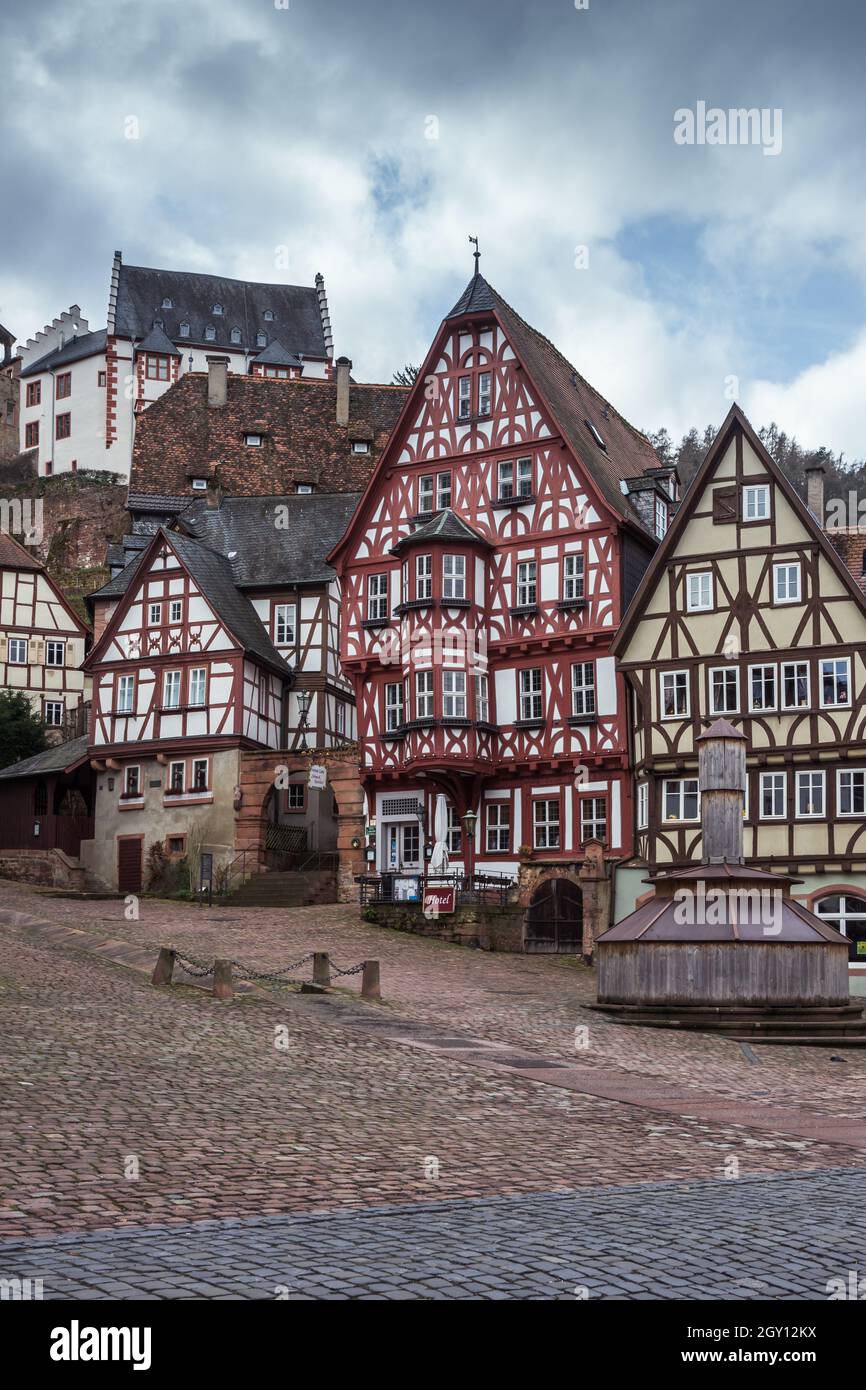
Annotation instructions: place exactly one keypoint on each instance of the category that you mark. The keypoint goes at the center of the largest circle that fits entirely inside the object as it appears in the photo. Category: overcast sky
(308, 127)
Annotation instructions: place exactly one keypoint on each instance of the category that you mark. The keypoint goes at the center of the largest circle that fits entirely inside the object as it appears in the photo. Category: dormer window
(166, 303)
(261, 340)
(210, 333)
(360, 446)
(253, 441)
(199, 484)
(304, 487)
(596, 435)
(159, 323)
(184, 330)
(268, 316)
(661, 518)
(236, 335)
(217, 309)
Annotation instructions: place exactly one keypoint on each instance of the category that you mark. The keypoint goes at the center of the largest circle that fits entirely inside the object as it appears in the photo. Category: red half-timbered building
(486, 569)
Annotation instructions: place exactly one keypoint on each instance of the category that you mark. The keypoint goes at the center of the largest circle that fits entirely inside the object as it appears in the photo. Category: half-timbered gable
(483, 577)
(42, 641)
(747, 613)
(185, 677)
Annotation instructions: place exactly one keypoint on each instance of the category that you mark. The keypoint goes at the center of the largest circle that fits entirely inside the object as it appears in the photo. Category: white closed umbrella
(439, 857)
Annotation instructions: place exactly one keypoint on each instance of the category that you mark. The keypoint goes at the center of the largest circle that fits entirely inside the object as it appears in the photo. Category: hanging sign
(438, 900)
(318, 776)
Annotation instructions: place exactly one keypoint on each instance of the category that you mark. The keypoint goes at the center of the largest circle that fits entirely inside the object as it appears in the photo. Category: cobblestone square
(451, 1142)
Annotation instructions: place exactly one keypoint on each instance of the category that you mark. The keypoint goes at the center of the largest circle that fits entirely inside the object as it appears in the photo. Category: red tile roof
(180, 437)
(14, 557)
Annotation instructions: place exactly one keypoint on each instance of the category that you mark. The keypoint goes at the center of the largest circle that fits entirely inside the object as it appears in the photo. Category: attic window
(360, 446)
(261, 340)
(595, 434)
(184, 330)
(253, 441)
(166, 304)
(210, 333)
(304, 487)
(268, 316)
(217, 309)
(159, 323)
(199, 484)
(236, 335)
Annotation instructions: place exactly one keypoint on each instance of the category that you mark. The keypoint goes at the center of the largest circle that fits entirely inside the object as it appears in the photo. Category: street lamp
(470, 819)
(303, 711)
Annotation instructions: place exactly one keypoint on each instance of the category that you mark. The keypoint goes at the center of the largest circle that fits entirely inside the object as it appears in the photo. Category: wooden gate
(129, 865)
(554, 919)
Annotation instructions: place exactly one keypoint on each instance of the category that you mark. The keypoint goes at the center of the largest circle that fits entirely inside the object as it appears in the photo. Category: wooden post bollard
(370, 980)
(164, 968)
(222, 980)
(321, 968)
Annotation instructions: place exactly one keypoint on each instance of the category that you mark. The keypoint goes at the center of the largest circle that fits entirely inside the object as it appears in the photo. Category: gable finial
(476, 253)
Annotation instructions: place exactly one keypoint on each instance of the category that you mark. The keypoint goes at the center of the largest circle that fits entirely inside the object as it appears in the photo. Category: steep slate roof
(445, 526)
(215, 577)
(275, 355)
(84, 345)
(60, 757)
(268, 555)
(214, 574)
(156, 341)
(735, 419)
(180, 436)
(571, 400)
(141, 289)
(14, 557)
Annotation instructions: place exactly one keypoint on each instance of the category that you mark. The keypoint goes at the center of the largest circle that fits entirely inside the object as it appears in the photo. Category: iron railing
(402, 889)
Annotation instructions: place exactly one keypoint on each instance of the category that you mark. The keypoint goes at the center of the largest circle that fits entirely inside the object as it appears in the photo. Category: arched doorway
(847, 913)
(554, 918)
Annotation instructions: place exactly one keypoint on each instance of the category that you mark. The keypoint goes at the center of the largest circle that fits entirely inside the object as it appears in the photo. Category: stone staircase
(294, 888)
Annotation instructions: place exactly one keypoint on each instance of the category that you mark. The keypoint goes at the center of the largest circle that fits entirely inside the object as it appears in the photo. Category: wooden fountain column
(722, 780)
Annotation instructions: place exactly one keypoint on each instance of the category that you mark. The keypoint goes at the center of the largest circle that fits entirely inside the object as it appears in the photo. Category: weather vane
(476, 253)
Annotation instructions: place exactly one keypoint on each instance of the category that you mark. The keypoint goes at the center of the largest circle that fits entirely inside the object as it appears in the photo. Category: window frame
(532, 694)
(16, 642)
(677, 714)
(393, 709)
(583, 688)
(457, 576)
(453, 694)
(853, 773)
(700, 575)
(378, 604)
(424, 577)
(289, 627)
(55, 642)
(497, 825)
(779, 568)
(821, 774)
(54, 703)
(424, 694)
(642, 806)
(526, 584)
(785, 666)
(577, 580)
(776, 776)
(725, 671)
(834, 661)
(593, 820)
(754, 489)
(681, 783)
(166, 675)
(764, 708)
(195, 671)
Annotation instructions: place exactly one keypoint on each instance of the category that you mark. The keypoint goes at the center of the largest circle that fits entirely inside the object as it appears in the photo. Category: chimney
(217, 381)
(815, 490)
(722, 774)
(214, 495)
(344, 367)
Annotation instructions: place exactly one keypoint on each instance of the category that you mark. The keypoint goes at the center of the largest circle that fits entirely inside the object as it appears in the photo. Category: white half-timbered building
(221, 637)
(42, 641)
(82, 390)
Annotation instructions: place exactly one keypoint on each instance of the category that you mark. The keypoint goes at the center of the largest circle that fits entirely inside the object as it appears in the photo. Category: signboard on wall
(405, 890)
(439, 900)
(318, 777)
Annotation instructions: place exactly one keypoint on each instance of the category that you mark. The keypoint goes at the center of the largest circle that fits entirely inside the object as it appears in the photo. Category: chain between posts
(199, 968)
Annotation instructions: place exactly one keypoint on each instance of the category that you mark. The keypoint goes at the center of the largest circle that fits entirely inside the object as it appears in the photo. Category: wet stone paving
(454, 1141)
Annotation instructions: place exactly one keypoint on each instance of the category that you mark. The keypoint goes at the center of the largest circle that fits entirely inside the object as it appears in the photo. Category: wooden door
(554, 921)
(129, 863)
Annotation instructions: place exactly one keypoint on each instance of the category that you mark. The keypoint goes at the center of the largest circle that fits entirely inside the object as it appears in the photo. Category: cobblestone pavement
(780, 1238)
(125, 1106)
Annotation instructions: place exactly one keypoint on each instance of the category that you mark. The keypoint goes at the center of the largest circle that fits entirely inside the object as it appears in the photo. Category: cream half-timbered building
(42, 641)
(220, 639)
(484, 574)
(748, 614)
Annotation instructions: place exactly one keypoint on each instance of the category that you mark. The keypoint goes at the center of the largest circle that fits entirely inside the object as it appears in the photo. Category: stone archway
(258, 772)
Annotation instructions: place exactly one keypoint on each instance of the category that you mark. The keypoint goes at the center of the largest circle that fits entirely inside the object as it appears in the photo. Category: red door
(129, 856)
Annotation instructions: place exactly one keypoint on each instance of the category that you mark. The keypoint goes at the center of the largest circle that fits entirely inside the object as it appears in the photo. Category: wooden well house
(724, 946)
